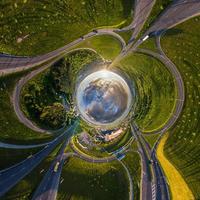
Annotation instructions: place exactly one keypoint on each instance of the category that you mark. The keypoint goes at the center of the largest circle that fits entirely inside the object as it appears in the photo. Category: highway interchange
(153, 181)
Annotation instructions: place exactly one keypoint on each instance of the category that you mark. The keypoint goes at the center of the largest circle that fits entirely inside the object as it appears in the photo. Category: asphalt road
(47, 189)
(179, 85)
(145, 184)
(16, 98)
(21, 146)
(142, 11)
(11, 176)
(9, 64)
(177, 12)
(154, 185)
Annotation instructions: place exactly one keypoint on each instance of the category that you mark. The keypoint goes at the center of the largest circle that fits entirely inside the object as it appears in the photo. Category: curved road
(9, 177)
(17, 91)
(14, 64)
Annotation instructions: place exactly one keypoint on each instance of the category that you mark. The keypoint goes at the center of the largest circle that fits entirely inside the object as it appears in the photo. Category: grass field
(17, 132)
(182, 45)
(155, 90)
(151, 138)
(132, 162)
(84, 180)
(178, 188)
(9, 157)
(106, 46)
(31, 27)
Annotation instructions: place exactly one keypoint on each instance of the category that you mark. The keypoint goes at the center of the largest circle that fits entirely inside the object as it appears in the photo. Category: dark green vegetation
(182, 45)
(155, 88)
(10, 128)
(25, 188)
(84, 180)
(132, 162)
(9, 157)
(45, 98)
(31, 27)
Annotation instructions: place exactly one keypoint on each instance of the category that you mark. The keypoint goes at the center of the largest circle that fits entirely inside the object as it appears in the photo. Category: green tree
(54, 115)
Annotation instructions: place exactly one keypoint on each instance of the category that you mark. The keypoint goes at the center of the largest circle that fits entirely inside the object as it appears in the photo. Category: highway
(10, 64)
(177, 12)
(47, 189)
(21, 146)
(11, 176)
(154, 185)
(145, 184)
(179, 102)
(17, 92)
(142, 11)
(153, 181)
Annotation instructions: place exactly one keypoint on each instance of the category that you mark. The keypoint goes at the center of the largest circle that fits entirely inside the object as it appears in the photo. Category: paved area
(11, 176)
(156, 188)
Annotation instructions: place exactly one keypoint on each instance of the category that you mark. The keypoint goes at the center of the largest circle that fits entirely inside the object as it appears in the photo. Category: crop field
(183, 145)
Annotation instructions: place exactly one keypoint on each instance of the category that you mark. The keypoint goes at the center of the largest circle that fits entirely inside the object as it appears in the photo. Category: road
(47, 189)
(177, 12)
(17, 92)
(145, 184)
(11, 176)
(21, 146)
(153, 179)
(10, 64)
(88, 158)
(131, 195)
(142, 11)
(179, 102)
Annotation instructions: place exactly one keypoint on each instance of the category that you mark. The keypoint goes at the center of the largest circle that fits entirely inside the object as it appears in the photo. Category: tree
(54, 115)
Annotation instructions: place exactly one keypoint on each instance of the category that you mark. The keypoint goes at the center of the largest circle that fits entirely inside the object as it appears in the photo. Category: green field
(105, 45)
(155, 90)
(17, 132)
(84, 180)
(30, 27)
(151, 138)
(182, 45)
(132, 162)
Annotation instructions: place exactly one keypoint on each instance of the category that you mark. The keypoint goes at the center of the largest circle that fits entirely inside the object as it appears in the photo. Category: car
(95, 31)
(56, 166)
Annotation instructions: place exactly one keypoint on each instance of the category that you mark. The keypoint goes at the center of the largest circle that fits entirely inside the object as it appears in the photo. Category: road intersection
(153, 182)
